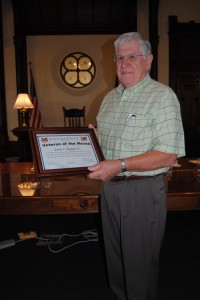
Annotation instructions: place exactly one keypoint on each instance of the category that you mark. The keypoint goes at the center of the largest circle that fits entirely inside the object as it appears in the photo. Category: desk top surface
(18, 178)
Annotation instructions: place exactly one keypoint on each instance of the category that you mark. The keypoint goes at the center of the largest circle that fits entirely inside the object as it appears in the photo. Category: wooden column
(20, 53)
(153, 35)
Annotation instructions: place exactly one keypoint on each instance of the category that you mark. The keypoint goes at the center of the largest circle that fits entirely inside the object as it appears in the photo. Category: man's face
(131, 71)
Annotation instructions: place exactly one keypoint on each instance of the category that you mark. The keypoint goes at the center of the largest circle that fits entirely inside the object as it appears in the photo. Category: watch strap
(123, 165)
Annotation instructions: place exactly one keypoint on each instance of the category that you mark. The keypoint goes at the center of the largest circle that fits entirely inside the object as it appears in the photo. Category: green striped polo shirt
(138, 119)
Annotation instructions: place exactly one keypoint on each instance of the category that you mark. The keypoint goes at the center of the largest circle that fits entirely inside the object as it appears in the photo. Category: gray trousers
(133, 219)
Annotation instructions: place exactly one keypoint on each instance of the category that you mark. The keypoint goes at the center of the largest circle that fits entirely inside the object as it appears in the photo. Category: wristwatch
(123, 165)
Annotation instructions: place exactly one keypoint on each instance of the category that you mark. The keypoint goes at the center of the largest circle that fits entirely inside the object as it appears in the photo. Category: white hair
(144, 45)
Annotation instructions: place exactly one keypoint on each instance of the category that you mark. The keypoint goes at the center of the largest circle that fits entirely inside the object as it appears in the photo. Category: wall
(143, 17)
(46, 53)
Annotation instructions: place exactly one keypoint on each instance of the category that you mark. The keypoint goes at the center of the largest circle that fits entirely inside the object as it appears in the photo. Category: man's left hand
(105, 170)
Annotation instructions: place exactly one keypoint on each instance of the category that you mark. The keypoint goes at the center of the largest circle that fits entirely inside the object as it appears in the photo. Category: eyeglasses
(128, 58)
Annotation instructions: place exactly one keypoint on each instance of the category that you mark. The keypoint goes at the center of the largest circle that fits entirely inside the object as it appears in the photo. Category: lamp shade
(23, 101)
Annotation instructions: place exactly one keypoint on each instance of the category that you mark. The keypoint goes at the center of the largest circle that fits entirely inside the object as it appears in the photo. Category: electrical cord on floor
(87, 235)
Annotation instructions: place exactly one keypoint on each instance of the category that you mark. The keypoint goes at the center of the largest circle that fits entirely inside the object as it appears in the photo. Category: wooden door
(184, 70)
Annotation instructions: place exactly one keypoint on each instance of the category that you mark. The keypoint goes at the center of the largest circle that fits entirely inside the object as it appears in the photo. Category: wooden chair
(74, 117)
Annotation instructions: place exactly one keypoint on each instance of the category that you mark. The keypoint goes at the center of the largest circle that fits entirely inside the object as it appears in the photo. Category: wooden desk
(53, 195)
(183, 186)
(77, 194)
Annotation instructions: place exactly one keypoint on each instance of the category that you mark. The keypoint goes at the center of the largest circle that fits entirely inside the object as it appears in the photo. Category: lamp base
(24, 124)
(23, 111)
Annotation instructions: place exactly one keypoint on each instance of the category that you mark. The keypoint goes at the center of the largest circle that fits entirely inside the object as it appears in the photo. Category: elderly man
(141, 135)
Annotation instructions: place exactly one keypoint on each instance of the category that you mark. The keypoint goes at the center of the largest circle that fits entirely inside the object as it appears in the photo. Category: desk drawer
(85, 204)
(24, 206)
(189, 202)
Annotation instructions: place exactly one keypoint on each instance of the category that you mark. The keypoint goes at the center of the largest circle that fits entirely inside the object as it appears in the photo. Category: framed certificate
(64, 151)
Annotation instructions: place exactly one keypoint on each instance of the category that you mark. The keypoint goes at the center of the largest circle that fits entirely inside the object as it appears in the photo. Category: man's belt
(132, 177)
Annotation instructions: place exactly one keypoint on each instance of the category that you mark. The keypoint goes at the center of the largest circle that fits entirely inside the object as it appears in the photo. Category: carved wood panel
(188, 91)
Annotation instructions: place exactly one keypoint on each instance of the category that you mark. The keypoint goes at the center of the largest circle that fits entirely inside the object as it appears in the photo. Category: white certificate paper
(61, 151)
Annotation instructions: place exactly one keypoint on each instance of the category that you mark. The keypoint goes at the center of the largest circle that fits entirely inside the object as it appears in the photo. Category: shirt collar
(120, 89)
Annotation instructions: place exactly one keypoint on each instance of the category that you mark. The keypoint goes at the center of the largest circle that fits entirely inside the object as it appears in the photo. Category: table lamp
(27, 188)
(23, 103)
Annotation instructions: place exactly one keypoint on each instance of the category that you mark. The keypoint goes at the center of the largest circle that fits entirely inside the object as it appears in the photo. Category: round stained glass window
(77, 70)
